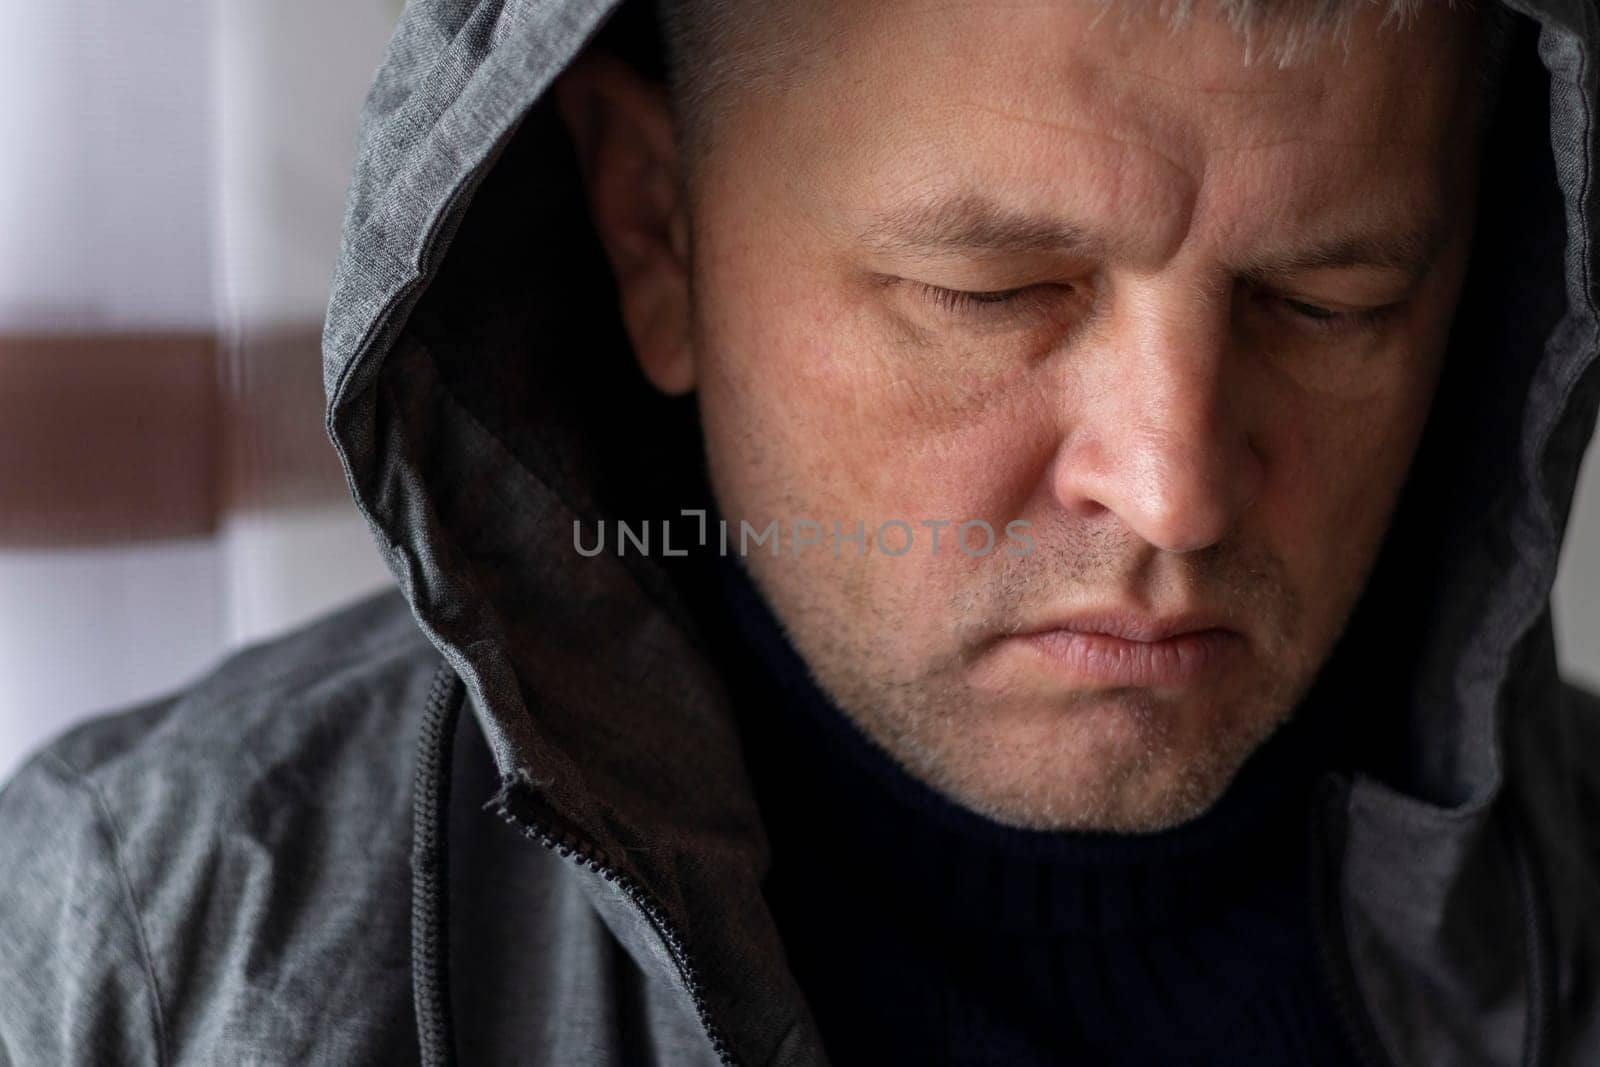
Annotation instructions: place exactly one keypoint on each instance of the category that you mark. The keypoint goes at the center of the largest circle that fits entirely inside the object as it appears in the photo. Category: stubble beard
(1111, 760)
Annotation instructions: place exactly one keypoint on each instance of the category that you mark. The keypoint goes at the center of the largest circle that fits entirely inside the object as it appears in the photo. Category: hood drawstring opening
(430, 870)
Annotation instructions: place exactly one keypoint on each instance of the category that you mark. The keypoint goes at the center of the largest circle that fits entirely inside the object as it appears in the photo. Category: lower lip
(1100, 659)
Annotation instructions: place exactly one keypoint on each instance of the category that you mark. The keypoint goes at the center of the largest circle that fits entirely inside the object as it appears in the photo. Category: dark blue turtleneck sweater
(922, 932)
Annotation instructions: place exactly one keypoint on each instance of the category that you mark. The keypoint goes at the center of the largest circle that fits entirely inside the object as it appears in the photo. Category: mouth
(1122, 649)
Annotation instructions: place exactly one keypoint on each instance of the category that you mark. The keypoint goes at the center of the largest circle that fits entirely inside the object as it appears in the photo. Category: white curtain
(173, 168)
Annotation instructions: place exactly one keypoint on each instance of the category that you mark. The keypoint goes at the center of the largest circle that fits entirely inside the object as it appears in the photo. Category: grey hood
(482, 398)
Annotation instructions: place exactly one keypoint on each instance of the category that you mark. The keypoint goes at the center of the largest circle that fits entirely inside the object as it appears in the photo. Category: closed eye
(959, 299)
(981, 301)
(1327, 320)
(1310, 311)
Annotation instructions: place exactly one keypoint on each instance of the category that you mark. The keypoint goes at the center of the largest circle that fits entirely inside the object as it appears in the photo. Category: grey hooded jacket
(502, 815)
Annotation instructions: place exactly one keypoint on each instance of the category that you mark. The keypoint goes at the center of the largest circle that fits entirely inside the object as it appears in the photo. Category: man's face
(1206, 306)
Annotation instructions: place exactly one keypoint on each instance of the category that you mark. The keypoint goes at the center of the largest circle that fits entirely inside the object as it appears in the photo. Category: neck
(829, 794)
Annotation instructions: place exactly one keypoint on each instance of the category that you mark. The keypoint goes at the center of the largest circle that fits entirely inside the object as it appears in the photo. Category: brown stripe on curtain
(137, 437)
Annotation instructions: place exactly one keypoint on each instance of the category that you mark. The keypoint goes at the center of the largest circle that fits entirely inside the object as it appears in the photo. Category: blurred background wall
(172, 177)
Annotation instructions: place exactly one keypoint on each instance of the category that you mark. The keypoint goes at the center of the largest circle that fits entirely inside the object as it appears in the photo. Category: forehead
(1075, 105)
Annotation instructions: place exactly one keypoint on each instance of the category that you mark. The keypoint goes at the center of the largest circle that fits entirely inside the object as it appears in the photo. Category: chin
(1098, 796)
(1123, 762)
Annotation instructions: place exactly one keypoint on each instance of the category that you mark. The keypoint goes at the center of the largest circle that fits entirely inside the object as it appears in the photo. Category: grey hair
(715, 48)
(1283, 31)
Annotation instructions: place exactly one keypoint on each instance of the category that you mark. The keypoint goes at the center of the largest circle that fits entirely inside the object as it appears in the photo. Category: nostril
(1180, 488)
(1186, 499)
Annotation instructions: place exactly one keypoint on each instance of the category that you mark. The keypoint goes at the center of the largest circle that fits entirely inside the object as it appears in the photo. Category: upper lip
(1130, 625)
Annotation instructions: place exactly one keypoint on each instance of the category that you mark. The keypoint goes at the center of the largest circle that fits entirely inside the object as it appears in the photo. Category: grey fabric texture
(226, 876)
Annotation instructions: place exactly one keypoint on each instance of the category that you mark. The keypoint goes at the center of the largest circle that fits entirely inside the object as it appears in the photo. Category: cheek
(1335, 472)
(1342, 448)
(854, 425)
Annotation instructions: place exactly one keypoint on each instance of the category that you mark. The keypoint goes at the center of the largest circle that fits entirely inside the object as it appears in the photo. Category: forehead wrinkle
(1299, 92)
(1187, 173)
(1321, 142)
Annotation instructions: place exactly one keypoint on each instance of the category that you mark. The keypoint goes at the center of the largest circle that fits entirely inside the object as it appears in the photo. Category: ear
(621, 125)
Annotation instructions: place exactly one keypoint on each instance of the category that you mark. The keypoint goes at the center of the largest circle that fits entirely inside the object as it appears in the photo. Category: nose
(1154, 432)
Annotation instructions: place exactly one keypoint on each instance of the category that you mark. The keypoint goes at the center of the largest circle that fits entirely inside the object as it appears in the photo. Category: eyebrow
(972, 223)
(1410, 250)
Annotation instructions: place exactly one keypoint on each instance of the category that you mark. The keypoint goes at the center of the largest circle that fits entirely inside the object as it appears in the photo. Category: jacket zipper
(1339, 974)
(385, 327)
(1333, 952)
(584, 855)
(1540, 957)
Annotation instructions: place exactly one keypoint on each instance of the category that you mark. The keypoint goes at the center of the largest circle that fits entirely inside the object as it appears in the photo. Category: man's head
(1179, 314)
